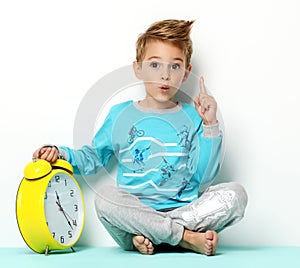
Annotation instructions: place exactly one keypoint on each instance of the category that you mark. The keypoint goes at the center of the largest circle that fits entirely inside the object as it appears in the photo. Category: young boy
(166, 151)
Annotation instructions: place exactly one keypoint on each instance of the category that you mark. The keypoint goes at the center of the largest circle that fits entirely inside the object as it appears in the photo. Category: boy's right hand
(49, 154)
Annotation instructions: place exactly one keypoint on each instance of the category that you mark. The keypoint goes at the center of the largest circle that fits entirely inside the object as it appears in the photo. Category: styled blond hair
(176, 32)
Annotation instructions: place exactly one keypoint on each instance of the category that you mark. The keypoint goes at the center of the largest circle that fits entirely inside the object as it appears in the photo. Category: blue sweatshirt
(164, 155)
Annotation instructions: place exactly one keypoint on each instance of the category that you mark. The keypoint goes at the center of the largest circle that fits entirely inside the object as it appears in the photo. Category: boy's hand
(49, 153)
(206, 105)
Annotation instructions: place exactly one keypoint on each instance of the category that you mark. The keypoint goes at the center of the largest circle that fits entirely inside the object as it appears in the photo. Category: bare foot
(205, 243)
(143, 244)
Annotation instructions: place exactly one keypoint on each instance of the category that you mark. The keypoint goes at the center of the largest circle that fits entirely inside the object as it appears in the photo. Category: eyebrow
(156, 57)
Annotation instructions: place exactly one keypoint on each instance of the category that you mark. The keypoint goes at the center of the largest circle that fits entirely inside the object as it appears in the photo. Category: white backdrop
(53, 52)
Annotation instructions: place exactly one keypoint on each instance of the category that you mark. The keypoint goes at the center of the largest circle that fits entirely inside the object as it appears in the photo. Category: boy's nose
(165, 74)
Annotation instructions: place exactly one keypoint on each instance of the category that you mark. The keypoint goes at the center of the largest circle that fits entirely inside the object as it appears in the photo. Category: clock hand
(64, 213)
(57, 197)
(68, 215)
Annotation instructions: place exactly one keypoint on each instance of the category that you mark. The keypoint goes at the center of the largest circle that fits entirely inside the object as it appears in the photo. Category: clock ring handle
(46, 146)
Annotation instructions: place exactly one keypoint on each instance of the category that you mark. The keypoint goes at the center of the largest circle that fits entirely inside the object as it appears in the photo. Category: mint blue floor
(86, 257)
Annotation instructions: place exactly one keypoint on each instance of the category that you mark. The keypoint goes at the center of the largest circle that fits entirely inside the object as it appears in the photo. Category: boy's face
(163, 70)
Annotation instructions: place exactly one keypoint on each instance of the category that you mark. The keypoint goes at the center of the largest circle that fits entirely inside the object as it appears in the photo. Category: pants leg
(123, 238)
(124, 215)
(219, 206)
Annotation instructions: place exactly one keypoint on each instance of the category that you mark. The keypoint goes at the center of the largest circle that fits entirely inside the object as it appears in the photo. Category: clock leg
(46, 250)
(73, 249)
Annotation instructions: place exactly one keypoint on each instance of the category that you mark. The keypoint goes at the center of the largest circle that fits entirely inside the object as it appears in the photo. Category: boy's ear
(137, 67)
(187, 73)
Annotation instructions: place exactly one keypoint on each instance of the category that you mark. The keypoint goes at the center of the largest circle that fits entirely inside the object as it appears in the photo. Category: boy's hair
(175, 31)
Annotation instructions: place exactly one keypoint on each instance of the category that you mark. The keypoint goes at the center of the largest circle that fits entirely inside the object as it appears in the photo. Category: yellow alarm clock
(49, 206)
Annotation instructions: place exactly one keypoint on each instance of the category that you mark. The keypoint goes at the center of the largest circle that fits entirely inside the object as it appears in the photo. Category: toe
(208, 246)
(139, 239)
(142, 244)
(209, 235)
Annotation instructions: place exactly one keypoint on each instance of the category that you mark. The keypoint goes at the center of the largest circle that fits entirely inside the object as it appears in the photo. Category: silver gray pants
(124, 216)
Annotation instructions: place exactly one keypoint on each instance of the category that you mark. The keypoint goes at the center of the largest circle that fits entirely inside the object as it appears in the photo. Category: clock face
(64, 209)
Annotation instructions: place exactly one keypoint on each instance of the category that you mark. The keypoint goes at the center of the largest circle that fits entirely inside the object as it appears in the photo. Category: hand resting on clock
(48, 153)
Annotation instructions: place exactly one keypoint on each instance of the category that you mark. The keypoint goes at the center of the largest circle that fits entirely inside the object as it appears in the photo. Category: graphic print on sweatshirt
(154, 154)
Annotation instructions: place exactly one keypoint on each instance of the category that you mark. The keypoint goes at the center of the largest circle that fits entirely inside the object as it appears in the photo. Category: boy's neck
(156, 104)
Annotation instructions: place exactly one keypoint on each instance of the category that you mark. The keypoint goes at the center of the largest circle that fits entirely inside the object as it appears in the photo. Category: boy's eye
(175, 66)
(154, 64)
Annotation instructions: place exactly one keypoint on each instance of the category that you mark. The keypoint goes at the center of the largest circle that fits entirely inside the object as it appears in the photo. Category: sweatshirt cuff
(63, 154)
(211, 131)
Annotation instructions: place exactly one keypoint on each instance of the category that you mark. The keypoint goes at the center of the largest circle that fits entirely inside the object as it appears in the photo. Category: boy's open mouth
(164, 88)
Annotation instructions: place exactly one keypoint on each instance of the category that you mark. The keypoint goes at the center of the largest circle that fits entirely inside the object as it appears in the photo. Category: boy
(166, 151)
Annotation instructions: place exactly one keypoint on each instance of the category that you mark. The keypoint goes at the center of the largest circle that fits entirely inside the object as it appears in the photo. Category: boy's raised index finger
(202, 87)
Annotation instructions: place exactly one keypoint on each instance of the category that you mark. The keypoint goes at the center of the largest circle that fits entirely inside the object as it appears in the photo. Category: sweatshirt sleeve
(91, 158)
(209, 157)
(208, 148)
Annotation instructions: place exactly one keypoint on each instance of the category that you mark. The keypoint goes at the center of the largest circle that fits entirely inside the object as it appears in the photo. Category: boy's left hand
(206, 105)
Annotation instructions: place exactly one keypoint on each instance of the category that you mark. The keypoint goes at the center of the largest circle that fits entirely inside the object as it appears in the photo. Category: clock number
(57, 178)
(70, 234)
(66, 182)
(46, 196)
(74, 222)
(53, 234)
(62, 239)
(75, 208)
(49, 184)
(72, 193)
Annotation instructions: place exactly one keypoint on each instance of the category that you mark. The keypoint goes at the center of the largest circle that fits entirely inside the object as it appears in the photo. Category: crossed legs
(135, 226)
